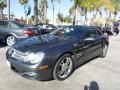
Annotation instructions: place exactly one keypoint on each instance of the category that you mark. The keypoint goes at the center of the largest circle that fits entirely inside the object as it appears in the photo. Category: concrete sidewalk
(98, 74)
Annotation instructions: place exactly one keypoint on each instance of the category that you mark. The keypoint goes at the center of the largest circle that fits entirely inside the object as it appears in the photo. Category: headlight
(34, 58)
(10, 51)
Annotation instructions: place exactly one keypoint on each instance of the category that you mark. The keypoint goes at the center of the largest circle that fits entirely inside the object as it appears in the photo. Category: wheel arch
(105, 42)
(68, 52)
(9, 35)
(65, 53)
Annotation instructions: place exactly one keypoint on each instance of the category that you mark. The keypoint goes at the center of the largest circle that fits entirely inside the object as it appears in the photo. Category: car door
(3, 30)
(90, 44)
(99, 41)
(78, 45)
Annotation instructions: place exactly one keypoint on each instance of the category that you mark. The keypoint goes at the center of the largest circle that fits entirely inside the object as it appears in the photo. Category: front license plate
(8, 63)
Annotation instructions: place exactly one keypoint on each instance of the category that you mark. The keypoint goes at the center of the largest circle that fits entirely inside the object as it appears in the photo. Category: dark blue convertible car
(56, 55)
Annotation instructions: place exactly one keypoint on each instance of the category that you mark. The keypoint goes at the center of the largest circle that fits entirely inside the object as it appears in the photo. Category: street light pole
(8, 7)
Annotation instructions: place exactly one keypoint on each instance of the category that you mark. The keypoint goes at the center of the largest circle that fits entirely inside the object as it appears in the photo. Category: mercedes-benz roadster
(55, 55)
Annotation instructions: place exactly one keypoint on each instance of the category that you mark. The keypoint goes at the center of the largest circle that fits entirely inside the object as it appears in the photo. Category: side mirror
(89, 39)
(39, 27)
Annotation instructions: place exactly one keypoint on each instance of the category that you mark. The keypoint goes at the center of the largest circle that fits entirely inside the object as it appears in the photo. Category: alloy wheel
(63, 67)
(105, 50)
(10, 40)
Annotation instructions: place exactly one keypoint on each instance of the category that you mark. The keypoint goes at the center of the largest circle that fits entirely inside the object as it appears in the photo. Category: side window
(47, 26)
(40, 26)
(4, 24)
(90, 34)
(44, 26)
(99, 32)
(13, 25)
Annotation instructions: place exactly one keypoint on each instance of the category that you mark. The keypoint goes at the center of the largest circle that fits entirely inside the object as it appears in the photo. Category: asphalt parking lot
(98, 74)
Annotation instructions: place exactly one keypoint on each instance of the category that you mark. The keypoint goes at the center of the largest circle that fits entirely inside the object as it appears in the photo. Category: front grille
(18, 55)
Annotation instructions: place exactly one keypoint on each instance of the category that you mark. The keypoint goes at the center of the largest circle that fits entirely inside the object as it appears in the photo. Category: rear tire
(10, 40)
(104, 51)
(63, 68)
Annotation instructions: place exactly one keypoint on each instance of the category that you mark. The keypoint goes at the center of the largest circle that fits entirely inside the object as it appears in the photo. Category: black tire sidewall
(102, 55)
(55, 74)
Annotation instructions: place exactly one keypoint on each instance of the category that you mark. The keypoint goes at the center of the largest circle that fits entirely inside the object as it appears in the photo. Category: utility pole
(53, 10)
(8, 7)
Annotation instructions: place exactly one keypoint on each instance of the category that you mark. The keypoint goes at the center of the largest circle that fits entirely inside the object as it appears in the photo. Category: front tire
(10, 40)
(63, 67)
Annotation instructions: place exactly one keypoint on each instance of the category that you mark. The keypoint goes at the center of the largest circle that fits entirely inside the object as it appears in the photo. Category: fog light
(31, 74)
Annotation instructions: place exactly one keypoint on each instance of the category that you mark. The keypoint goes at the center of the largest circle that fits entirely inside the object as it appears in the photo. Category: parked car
(60, 26)
(108, 31)
(12, 31)
(56, 55)
(116, 28)
(45, 28)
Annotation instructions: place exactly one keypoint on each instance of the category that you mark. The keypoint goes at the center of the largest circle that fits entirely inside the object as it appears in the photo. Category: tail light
(29, 32)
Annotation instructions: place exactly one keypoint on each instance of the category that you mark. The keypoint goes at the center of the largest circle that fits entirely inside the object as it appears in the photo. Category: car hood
(38, 43)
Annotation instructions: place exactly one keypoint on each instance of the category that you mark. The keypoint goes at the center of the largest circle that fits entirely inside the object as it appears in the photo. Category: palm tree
(85, 6)
(53, 2)
(110, 7)
(88, 5)
(23, 2)
(67, 19)
(117, 8)
(36, 11)
(96, 8)
(60, 17)
(73, 10)
(2, 6)
(43, 10)
(59, 2)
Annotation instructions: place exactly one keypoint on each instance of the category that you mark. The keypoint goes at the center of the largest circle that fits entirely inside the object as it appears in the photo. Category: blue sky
(18, 9)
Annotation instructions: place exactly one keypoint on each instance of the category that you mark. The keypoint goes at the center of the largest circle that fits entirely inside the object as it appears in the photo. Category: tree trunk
(36, 11)
(1, 14)
(85, 14)
(109, 15)
(58, 13)
(96, 14)
(115, 15)
(74, 17)
(45, 11)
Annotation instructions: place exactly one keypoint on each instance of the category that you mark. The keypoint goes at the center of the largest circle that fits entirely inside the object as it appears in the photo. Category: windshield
(20, 24)
(63, 32)
(67, 31)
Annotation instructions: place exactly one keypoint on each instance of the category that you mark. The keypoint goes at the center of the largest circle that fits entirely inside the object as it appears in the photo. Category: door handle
(85, 47)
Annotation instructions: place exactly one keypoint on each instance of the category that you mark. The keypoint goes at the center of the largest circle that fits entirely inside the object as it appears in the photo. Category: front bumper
(30, 71)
